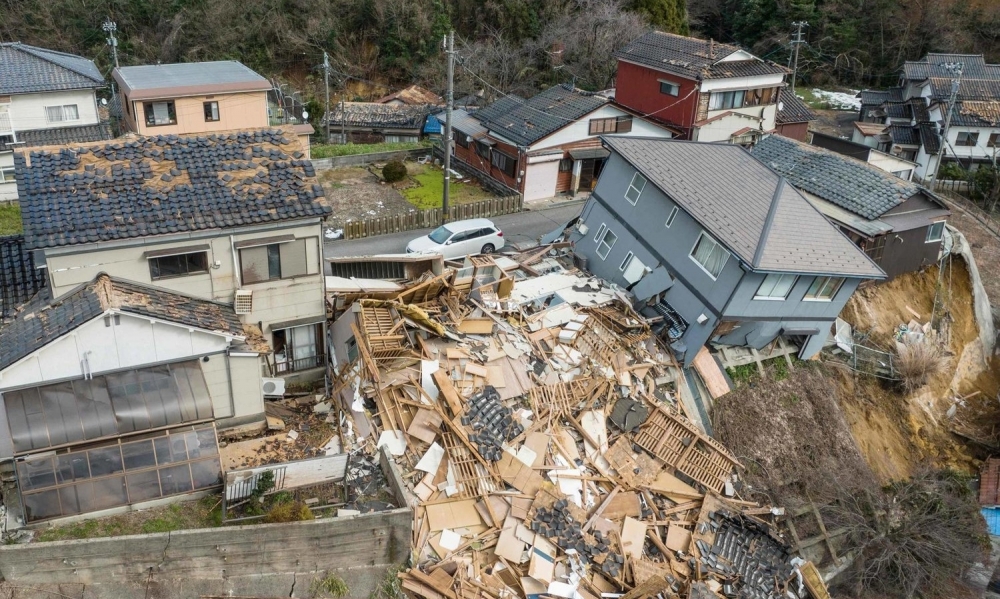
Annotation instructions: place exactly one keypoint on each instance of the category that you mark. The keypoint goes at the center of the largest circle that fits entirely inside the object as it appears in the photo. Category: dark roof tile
(793, 109)
(693, 58)
(543, 114)
(27, 69)
(20, 280)
(59, 136)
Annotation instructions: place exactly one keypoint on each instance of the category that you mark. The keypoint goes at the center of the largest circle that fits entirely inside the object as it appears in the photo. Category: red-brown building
(793, 117)
(707, 90)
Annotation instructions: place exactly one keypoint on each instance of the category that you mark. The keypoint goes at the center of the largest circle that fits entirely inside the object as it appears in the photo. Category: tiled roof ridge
(40, 53)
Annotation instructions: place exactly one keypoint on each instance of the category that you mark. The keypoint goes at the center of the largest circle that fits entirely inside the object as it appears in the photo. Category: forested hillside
(514, 45)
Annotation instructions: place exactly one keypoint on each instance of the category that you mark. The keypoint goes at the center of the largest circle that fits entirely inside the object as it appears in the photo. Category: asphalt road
(517, 228)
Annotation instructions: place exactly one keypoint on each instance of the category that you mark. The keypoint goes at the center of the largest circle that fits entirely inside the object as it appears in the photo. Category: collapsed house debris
(544, 434)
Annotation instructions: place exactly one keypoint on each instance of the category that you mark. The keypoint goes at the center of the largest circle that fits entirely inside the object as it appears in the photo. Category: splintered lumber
(448, 391)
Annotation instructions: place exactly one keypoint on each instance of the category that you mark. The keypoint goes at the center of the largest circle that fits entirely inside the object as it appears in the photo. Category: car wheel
(488, 249)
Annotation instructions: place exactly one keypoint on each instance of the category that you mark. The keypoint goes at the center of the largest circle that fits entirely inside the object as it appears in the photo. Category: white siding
(27, 111)
(580, 130)
(732, 83)
(540, 180)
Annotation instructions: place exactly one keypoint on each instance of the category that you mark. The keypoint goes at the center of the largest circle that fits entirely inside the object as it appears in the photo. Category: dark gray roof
(768, 224)
(500, 107)
(929, 138)
(977, 113)
(461, 121)
(374, 115)
(543, 114)
(59, 136)
(969, 89)
(19, 279)
(189, 74)
(875, 97)
(164, 184)
(693, 58)
(43, 321)
(904, 134)
(793, 109)
(846, 182)
(27, 69)
(918, 108)
(932, 65)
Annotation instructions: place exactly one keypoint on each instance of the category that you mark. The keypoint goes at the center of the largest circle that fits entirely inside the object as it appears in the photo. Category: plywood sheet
(678, 538)
(518, 475)
(622, 505)
(453, 514)
(711, 373)
(633, 537)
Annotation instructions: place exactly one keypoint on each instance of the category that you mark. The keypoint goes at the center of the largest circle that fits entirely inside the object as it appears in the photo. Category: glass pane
(206, 474)
(36, 474)
(206, 441)
(274, 261)
(139, 455)
(68, 497)
(61, 416)
(105, 460)
(17, 418)
(143, 486)
(94, 407)
(38, 506)
(126, 398)
(109, 492)
(73, 466)
(175, 479)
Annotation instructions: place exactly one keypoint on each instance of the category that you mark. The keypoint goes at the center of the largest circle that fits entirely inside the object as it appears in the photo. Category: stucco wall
(27, 111)
(236, 111)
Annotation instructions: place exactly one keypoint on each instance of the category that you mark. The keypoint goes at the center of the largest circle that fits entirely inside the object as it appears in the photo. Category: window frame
(277, 259)
(719, 246)
(62, 113)
(509, 166)
(671, 217)
(148, 113)
(940, 234)
(600, 231)
(993, 141)
(8, 174)
(460, 138)
(638, 190)
(566, 165)
(775, 298)
(213, 116)
(157, 277)
(971, 136)
(673, 89)
(626, 261)
(820, 284)
(727, 99)
(604, 241)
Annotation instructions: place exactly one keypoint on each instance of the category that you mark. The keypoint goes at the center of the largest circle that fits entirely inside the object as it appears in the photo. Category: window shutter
(594, 126)
(254, 264)
(624, 124)
(293, 259)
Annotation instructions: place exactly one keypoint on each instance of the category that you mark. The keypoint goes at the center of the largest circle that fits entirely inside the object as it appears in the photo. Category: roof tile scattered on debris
(59, 136)
(848, 183)
(977, 113)
(412, 95)
(792, 109)
(373, 114)
(43, 321)
(693, 57)
(746, 206)
(137, 187)
(27, 69)
(542, 438)
(20, 280)
(541, 115)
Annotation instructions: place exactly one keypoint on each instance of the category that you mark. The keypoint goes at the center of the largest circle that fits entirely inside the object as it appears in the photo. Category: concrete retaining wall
(366, 159)
(257, 560)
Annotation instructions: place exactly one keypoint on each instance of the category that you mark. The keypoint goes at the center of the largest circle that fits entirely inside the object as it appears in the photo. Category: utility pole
(798, 41)
(326, 85)
(343, 115)
(450, 98)
(110, 28)
(955, 68)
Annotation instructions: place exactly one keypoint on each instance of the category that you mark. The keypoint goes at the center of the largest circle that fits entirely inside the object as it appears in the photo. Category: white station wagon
(460, 238)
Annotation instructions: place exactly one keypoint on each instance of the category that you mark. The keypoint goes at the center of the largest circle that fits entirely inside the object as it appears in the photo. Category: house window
(727, 100)
(605, 243)
(7, 174)
(504, 162)
(710, 255)
(669, 88)
(565, 165)
(935, 232)
(273, 261)
(298, 348)
(600, 232)
(58, 114)
(165, 267)
(635, 188)
(671, 216)
(624, 265)
(775, 287)
(967, 138)
(824, 288)
(994, 140)
(211, 111)
(483, 150)
(621, 124)
(461, 139)
(159, 113)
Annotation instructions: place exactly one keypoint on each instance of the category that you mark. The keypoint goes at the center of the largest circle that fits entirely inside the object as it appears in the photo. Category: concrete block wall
(366, 159)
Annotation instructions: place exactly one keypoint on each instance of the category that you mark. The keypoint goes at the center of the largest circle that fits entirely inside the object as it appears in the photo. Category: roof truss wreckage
(547, 441)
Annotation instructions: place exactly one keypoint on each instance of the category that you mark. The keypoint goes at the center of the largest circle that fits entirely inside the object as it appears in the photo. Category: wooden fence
(427, 219)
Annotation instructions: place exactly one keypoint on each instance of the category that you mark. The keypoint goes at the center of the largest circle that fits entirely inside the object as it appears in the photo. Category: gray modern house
(718, 245)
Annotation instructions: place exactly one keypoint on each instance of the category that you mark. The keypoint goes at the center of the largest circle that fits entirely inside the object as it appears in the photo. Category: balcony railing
(5, 127)
(299, 364)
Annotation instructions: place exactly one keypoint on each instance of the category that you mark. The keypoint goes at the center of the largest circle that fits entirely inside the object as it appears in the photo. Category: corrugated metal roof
(190, 74)
(461, 120)
(693, 58)
(28, 69)
(543, 114)
(746, 206)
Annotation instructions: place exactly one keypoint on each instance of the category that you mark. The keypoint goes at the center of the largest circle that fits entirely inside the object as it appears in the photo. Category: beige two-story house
(196, 97)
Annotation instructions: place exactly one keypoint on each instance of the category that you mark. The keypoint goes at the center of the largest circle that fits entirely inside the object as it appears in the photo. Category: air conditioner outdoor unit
(272, 387)
(243, 304)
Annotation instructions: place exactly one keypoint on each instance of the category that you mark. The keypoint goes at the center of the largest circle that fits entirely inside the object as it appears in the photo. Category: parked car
(459, 239)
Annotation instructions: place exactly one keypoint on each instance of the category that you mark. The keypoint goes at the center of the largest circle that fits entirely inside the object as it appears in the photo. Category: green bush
(394, 171)
(292, 511)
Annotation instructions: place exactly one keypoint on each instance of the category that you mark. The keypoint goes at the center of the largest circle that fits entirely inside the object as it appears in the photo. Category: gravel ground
(356, 194)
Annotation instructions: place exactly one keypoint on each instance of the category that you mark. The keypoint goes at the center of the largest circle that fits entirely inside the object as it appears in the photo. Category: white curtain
(710, 254)
(303, 342)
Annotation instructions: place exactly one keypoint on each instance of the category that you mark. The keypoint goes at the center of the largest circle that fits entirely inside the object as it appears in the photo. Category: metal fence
(427, 219)
(874, 362)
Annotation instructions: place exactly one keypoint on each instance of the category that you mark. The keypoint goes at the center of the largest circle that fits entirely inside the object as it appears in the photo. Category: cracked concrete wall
(281, 559)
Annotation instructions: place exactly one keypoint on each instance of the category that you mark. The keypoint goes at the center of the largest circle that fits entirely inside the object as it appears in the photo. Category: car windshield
(440, 235)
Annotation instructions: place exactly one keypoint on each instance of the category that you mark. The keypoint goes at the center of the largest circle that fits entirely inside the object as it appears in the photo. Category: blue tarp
(992, 516)
(432, 126)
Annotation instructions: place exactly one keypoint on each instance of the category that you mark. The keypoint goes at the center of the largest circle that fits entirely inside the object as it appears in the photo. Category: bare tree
(498, 65)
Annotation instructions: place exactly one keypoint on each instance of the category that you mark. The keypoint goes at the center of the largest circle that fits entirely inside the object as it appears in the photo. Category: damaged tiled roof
(137, 187)
(968, 89)
(373, 114)
(846, 182)
(793, 109)
(694, 58)
(413, 95)
(543, 114)
(59, 136)
(746, 206)
(27, 69)
(20, 280)
(44, 321)
(977, 113)
(918, 108)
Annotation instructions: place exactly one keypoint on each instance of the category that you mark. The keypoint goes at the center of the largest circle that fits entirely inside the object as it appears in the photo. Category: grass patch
(741, 375)
(10, 220)
(204, 513)
(429, 190)
(811, 99)
(333, 150)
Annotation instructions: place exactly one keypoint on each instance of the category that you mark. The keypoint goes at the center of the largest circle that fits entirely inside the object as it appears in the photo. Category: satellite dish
(781, 105)
(104, 101)
(305, 115)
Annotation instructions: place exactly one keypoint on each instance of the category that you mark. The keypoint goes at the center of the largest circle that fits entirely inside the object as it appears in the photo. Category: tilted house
(46, 98)
(719, 246)
(898, 223)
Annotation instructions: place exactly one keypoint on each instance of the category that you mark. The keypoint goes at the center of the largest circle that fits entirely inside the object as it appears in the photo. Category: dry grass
(919, 362)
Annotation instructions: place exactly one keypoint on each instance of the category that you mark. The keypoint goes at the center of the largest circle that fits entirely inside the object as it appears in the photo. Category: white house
(46, 98)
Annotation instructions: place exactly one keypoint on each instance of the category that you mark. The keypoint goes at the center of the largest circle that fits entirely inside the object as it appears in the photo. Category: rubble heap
(544, 436)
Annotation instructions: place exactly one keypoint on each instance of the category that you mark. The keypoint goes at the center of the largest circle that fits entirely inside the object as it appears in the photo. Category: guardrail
(428, 219)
